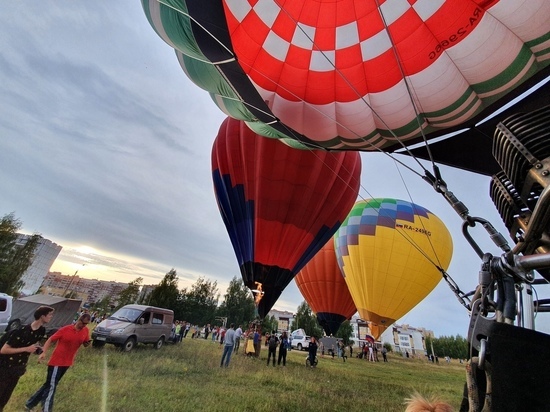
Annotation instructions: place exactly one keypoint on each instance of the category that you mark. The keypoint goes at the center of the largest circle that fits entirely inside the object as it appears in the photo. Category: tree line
(199, 304)
(454, 346)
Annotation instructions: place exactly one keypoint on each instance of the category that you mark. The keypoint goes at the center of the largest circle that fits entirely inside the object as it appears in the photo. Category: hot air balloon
(357, 74)
(279, 205)
(382, 75)
(390, 252)
(324, 289)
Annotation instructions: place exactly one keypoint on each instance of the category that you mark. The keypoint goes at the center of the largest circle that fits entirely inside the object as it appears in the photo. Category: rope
(473, 391)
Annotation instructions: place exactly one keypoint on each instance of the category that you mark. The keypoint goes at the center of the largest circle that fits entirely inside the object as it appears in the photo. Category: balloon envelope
(279, 205)
(325, 290)
(356, 74)
(388, 250)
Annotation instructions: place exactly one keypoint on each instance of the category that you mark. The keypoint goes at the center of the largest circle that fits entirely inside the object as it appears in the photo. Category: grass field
(187, 377)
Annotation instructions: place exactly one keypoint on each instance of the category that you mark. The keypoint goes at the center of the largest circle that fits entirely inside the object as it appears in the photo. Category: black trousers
(282, 355)
(46, 392)
(8, 381)
(271, 353)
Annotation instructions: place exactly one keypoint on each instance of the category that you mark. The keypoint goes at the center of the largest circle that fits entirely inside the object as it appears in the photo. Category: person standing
(312, 350)
(228, 347)
(272, 347)
(69, 339)
(238, 334)
(344, 351)
(384, 353)
(222, 335)
(182, 331)
(371, 353)
(14, 352)
(283, 347)
(257, 343)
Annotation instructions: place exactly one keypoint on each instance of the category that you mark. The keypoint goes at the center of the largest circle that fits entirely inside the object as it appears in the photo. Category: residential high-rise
(89, 290)
(44, 255)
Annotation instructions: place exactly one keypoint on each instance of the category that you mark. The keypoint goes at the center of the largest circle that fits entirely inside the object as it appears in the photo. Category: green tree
(238, 303)
(144, 296)
(345, 331)
(103, 305)
(166, 294)
(306, 320)
(454, 346)
(199, 304)
(14, 259)
(131, 293)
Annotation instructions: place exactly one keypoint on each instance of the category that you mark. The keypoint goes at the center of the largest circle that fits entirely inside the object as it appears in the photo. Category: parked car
(133, 324)
(299, 340)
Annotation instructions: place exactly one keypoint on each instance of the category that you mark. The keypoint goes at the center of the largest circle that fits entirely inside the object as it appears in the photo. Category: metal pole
(528, 311)
(72, 279)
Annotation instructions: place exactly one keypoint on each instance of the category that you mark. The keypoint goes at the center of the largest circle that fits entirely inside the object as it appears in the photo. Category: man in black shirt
(15, 351)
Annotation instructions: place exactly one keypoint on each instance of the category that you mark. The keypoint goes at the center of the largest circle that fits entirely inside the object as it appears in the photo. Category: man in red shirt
(68, 338)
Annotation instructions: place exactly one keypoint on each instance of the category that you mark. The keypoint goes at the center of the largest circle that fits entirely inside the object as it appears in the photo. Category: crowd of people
(183, 329)
(277, 345)
(230, 339)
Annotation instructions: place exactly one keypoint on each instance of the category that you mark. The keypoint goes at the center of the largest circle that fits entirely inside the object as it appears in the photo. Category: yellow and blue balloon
(390, 252)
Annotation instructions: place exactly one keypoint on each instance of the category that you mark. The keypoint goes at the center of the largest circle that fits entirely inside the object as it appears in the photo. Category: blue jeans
(237, 345)
(227, 351)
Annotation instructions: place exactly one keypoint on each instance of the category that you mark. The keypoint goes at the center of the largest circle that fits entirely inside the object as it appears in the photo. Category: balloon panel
(332, 74)
(387, 250)
(279, 205)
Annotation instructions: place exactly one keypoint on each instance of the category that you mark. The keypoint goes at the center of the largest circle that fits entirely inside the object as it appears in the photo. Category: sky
(105, 149)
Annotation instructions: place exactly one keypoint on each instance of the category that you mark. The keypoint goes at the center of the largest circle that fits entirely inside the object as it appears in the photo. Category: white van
(133, 324)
